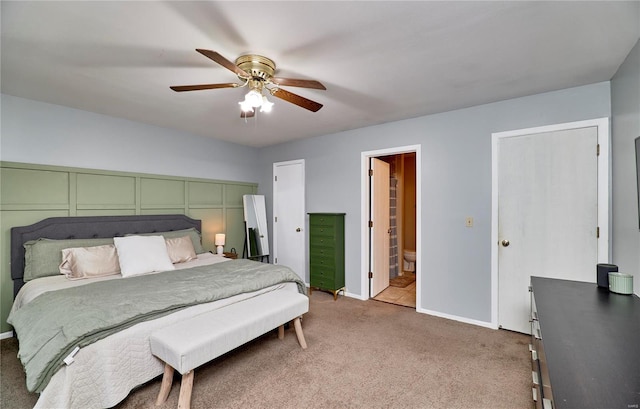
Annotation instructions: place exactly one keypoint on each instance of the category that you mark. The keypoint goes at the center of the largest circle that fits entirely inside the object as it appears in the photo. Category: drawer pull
(534, 376)
(534, 392)
(547, 404)
(534, 355)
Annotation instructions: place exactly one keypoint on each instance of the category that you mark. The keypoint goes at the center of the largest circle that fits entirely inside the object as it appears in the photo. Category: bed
(115, 358)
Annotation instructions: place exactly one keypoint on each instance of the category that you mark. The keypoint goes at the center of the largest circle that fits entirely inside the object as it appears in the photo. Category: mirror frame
(256, 230)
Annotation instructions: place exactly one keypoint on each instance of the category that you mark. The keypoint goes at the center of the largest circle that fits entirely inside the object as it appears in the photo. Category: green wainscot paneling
(108, 212)
(234, 193)
(206, 194)
(212, 223)
(34, 189)
(100, 191)
(30, 193)
(162, 211)
(235, 236)
(161, 192)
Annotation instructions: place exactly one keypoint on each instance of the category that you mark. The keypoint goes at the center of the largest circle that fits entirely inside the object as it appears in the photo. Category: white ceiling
(380, 61)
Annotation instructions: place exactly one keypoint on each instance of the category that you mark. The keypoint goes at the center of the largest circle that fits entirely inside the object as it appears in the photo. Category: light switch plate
(468, 222)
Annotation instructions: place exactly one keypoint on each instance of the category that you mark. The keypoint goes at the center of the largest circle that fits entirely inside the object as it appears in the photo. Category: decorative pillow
(180, 249)
(89, 262)
(142, 254)
(42, 257)
(196, 239)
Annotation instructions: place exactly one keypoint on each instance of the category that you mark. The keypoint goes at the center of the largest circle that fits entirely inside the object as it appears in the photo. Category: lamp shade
(253, 98)
(219, 241)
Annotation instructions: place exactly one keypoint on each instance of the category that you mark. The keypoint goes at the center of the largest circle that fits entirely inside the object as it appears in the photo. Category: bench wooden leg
(281, 332)
(165, 388)
(184, 402)
(299, 334)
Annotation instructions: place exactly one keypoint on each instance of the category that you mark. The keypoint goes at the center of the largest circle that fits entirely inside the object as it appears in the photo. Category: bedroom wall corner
(625, 127)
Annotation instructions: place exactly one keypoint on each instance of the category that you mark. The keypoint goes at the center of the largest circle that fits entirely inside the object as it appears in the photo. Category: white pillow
(142, 254)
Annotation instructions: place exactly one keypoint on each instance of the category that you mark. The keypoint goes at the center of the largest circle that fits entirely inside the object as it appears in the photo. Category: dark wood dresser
(585, 346)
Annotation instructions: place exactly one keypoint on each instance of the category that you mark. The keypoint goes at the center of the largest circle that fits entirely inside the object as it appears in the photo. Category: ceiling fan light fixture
(253, 98)
(266, 105)
(257, 73)
(245, 106)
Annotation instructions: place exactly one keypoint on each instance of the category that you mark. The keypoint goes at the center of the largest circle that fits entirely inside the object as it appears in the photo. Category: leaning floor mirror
(256, 245)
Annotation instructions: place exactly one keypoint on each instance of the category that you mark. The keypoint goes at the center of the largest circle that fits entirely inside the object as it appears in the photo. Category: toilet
(409, 260)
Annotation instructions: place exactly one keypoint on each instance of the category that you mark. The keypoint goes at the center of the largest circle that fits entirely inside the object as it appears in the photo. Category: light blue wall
(456, 182)
(37, 132)
(625, 110)
(456, 172)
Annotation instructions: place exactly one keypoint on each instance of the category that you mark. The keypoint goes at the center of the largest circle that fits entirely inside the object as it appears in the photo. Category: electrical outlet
(468, 222)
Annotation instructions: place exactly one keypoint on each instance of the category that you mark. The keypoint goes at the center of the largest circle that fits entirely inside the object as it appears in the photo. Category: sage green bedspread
(54, 323)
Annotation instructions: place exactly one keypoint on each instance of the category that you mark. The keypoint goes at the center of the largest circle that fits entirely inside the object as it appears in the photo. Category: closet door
(289, 244)
(547, 215)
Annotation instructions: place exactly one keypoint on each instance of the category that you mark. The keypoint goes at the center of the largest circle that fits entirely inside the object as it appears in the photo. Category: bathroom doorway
(399, 238)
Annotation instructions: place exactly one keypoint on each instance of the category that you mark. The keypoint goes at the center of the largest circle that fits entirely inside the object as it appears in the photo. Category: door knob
(505, 243)
(298, 230)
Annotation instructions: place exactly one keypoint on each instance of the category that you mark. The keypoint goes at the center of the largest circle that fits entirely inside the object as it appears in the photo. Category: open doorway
(400, 237)
(391, 226)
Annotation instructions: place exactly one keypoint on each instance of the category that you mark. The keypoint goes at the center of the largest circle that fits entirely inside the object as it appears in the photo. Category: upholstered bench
(188, 344)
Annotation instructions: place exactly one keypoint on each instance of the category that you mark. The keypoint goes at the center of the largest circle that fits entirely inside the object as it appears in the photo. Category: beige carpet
(362, 354)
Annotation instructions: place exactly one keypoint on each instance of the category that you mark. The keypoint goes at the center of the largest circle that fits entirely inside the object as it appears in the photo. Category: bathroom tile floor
(401, 296)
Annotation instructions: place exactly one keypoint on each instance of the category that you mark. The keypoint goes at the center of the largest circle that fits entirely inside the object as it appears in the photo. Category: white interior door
(380, 232)
(547, 215)
(289, 216)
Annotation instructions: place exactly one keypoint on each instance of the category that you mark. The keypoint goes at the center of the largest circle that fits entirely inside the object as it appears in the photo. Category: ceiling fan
(256, 72)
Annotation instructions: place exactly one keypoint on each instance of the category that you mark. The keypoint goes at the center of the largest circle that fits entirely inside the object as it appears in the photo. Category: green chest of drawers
(326, 252)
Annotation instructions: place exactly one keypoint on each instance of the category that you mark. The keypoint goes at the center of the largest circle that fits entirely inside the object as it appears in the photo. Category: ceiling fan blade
(181, 88)
(223, 61)
(296, 99)
(249, 114)
(293, 82)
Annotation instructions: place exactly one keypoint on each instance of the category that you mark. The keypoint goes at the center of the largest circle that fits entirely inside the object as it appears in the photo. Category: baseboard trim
(345, 292)
(457, 318)
(6, 335)
(352, 295)
(435, 313)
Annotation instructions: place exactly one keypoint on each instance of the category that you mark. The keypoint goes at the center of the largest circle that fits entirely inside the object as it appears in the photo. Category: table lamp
(219, 242)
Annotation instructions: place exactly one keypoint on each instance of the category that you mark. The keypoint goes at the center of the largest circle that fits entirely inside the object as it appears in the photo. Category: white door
(289, 216)
(547, 215)
(380, 232)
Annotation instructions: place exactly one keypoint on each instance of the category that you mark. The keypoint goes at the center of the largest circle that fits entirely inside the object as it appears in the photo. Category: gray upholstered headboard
(87, 228)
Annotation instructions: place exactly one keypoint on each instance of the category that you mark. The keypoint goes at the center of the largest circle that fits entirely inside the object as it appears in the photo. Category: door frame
(604, 193)
(304, 207)
(365, 245)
